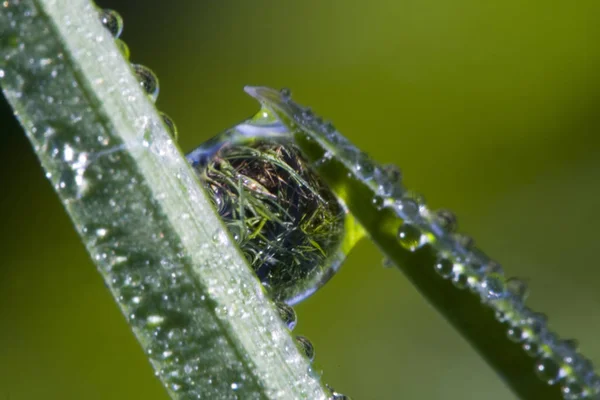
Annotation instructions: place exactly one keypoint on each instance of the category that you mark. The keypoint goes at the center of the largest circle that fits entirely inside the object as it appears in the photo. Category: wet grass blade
(483, 305)
(190, 298)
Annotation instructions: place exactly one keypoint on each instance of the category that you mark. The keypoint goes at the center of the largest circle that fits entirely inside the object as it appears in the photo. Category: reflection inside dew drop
(290, 226)
(410, 237)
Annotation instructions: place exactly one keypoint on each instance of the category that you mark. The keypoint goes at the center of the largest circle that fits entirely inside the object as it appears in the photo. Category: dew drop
(547, 370)
(515, 334)
(170, 125)
(447, 220)
(493, 287)
(306, 347)
(409, 237)
(537, 322)
(517, 288)
(465, 241)
(444, 266)
(285, 93)
(531, 348)
(387, 263)
(287, 314)
(123, 48)
(147, 80)
(460, 281)
(112, 21)
(378, 202)
(572, 391)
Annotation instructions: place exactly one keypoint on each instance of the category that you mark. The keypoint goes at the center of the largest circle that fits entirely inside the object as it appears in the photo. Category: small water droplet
(444, 266)
(123, 48)
(287, 314)
(537, 322)
(547, 370)
(378, 202)
(285, 93)
(447, 220)
(531, 348)
(147, 80)
(235, 386)
(515, 334)
(493, 287)
(112, 21)
(409, 237)
(308, 114)
(517, 288)
(170, 125)
(306, 347)
(464, 241)
(572, 391)
(387, 263)
(460, 281)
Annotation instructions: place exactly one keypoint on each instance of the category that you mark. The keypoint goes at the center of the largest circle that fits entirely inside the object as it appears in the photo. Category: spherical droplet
(460, 281)
(531, 348)
(444, 267)
(515, 334)
(287, 314)
(378, 202)
(170, 125)
(409, 237)
(517, 288)
(123, 48)
(306, 347)
(547, 370)
(112, 21)
(447, 220)
(147, 80)
(537, 322)
(288, 222)
(387, 263)
(285, 93)
(493, 287)
(464, 241)
(572, 391)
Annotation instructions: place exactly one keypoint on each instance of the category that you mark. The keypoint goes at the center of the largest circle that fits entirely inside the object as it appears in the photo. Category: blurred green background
(490, 109)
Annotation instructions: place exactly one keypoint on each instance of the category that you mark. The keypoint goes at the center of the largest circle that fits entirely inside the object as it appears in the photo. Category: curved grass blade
(429, 254)
(199, 313)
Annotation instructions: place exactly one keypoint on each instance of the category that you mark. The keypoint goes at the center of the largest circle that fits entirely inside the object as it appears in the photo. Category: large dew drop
(290, 226)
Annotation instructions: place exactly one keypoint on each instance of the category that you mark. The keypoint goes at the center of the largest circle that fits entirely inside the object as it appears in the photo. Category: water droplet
(409, 237)
(170, 125)
(235, 386)
(531, 348)
(112, 21)
(147, 80)
(492, 267)
(493, 287)
(287, 314)
(572, 391)
(306, 347)
(285, 93)
(515, 334)
(387, 263)
(288, 222)
(547, 370)
(123, 48)
(378, 202)
(447, 220)
(460, 281)
(392, 173)
(517, 288)
(464, 241)
(363, 166)
(308, 114)
(444, 266)
(537, 322)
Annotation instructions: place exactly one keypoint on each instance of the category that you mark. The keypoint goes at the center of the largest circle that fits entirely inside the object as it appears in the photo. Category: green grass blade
(483, 314)
(195, 306)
